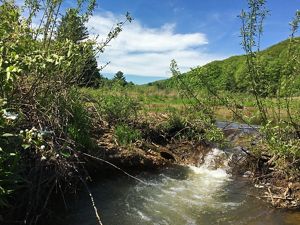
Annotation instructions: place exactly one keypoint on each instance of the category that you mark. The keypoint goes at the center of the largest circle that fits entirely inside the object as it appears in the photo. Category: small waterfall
(215, 164)
(194, 195)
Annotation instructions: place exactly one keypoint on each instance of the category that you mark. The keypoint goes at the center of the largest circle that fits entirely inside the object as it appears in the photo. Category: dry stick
(91, 197)
(92, 200)
(271, 195)
(248, 153)
(116, 167)
(276, 197)
(178, 133)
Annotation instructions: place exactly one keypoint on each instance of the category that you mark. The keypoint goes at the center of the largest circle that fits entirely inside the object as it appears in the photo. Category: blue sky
(193, 32)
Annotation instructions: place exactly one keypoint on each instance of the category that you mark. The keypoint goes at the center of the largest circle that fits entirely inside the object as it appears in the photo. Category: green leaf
(26, 146)
(65, 153)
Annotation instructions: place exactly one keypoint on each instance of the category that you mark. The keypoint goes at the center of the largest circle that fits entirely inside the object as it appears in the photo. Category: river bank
(206, 194)
(273, 187)
(159, 151)
(279, 187)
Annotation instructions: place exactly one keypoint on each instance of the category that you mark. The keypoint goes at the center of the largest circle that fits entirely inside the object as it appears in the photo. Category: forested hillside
(231, 74)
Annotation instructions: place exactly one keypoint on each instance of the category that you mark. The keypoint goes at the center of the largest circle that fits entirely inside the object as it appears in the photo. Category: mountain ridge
(230, 74)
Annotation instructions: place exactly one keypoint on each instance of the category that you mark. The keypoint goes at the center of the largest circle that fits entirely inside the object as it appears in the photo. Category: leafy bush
(189, 125)
(39, 77)
(175, 123)
(118, 109)
(10, 163)
(281, 134)
(281, 139)
(126, 135)
(80, 124)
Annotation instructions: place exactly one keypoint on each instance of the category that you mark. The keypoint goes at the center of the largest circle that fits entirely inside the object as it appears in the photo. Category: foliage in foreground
(274, 73)
(281, 134)
(44, 121)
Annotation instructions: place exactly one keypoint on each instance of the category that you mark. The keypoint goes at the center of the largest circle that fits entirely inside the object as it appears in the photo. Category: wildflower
(43, 147)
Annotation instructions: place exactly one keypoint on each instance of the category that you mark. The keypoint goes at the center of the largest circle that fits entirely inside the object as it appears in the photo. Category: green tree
(90, 76)
(120, 78)
(72, 27)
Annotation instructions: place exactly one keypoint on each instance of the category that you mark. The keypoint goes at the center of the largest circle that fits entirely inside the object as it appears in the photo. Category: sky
(193, 32)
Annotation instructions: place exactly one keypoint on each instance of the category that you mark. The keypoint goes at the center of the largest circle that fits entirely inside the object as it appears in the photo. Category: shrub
(118, 109)
(79, 124)
(39, 77)
(10, 163)
(189, 125)
(126, 135)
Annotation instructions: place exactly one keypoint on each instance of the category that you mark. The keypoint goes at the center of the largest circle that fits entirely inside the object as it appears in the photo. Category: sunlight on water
(178, 196)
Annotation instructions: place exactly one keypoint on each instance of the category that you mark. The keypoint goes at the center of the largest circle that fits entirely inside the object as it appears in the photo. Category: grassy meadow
(153, 99)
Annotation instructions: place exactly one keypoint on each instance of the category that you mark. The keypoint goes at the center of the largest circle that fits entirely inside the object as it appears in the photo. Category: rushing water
(200, 195)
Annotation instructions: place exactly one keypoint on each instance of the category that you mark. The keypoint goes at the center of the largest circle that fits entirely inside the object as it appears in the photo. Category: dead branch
(116, 167)
(92, 200)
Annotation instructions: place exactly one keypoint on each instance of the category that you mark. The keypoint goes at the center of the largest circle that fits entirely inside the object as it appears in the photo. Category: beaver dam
(204, 194)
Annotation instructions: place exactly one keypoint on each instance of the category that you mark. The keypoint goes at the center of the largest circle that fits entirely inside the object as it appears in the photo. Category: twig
(92, 200)
(276, 197)
(116, 167)
(271, 195)
(248, 153)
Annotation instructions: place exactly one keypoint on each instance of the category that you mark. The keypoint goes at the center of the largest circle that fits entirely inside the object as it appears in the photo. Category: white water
(177, 196)
(172, 200)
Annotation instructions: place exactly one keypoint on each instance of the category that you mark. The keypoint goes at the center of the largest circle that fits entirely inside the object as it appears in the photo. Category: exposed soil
(279, 182)
(148, 155)
(157, 150)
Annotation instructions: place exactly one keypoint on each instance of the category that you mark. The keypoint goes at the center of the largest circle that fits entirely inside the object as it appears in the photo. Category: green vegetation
(120, 79)
(72, 28)
(271, 77)
(281, 134)
(231, 74)
(126, 135)
(55, 105)
(44, 121)
(114, 105)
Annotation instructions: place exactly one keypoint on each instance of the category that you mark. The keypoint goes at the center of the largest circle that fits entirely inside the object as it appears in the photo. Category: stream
(180, 195)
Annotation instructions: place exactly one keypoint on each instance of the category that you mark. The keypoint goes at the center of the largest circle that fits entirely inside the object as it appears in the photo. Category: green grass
(126, 135)
(156, 100)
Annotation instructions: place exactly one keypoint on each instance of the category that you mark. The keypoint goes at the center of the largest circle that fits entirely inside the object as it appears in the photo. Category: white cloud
(140, 50)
